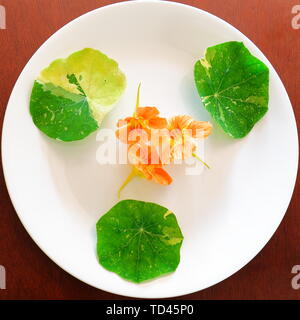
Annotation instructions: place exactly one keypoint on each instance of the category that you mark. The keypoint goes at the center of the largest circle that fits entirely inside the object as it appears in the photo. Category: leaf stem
(198, 158)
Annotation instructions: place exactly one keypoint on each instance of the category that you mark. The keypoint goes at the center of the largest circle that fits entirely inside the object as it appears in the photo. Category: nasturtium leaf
(233, 86)
(71, 97)
(139, 240)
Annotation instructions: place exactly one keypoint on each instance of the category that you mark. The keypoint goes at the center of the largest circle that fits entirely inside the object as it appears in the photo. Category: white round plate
(227, 214)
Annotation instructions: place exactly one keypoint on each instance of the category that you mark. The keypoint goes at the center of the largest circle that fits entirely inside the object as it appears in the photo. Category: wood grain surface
(30, 273)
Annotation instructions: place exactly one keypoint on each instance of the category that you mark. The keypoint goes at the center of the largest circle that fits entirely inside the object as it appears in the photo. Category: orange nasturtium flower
(154, 142)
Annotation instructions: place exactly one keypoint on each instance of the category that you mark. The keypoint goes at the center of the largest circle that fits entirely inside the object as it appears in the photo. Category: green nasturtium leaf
(233, 86)
(139, 240)
(71, 97)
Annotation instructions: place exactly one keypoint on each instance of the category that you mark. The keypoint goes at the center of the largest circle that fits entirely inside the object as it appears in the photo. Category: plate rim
(133, 3)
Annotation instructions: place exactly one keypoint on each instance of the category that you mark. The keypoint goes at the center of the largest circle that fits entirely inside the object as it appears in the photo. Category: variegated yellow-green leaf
(71, 97)
(139, 240)
(233, 86)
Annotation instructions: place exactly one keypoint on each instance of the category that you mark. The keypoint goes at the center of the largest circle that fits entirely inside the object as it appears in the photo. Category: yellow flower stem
(198, 158)
(134, 173)
(137, 100)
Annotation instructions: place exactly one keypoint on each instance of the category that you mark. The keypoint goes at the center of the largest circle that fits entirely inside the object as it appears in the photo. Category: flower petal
(147, 113)
(122, 131)
(161, 176)
(179, 122)
(158, 123)
(200, 129)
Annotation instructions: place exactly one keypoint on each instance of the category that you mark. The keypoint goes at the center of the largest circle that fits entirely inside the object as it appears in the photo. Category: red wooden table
(30, 274)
